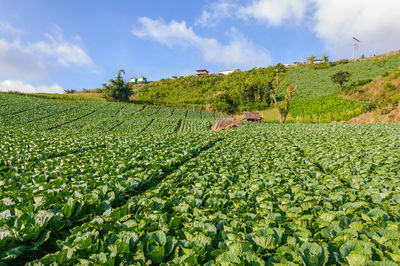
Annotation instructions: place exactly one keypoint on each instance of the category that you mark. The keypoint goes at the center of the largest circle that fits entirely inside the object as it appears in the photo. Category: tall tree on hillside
(117, 89)
(325, 58)
(284, 106)
(340, 78)
(311, 59)
(279, 71)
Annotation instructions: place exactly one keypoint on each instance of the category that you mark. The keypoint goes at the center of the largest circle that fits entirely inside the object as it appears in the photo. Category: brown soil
(374, 91)
(377, 117)
(388, 110)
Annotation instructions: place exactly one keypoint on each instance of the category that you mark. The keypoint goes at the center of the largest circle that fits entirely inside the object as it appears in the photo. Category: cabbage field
(99, 183)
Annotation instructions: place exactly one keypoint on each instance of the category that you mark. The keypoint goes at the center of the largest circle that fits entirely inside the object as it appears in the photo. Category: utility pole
(355, 48)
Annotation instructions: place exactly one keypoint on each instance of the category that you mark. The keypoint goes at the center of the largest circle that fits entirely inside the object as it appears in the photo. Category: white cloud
(6, 27)
(20, 86)
(375, 22)
(24, 60)
(18, 61)
(239, 52)
(217, 11)
(64, 52)
(275, 12)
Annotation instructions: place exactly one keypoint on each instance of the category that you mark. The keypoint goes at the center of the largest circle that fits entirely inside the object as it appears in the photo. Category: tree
(340, 78)
(284, 107)
(117, 89)
(311, 59)
(67, 91)
(222, 102)
(279, 68)
(325, 58)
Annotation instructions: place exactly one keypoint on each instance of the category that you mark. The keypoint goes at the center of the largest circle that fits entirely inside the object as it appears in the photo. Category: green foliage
(117, 89)
(252, 90)
(284, 106)
(326, 109)
(340, 78)
(70, 96)
(313, 84)
(311, 59)
(67, 91)
(112, 184)
(223, 102)
(389, 86)
(360, 82)
(247, 90)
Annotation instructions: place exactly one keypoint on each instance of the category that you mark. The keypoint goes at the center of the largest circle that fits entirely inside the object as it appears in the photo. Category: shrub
(389, 86)
(69, 91)
(222, 102)
(360, 82)
(341, 62)
(368, 107)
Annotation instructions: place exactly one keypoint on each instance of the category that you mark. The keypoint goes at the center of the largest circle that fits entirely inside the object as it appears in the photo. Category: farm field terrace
(114, 184)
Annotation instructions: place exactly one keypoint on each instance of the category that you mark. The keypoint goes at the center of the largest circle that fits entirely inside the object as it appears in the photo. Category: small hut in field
(252, 117)
(225, 123)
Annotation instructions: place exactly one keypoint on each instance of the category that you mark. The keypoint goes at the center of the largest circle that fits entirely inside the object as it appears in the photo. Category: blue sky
(55, 45)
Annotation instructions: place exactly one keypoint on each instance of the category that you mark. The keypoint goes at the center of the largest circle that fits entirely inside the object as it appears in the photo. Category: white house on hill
(138, 80)
(227, 72)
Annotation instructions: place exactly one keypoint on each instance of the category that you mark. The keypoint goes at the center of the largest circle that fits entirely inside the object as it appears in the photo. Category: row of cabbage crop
(64, 162)
(68, 180)
(262, 194)
(43, 114)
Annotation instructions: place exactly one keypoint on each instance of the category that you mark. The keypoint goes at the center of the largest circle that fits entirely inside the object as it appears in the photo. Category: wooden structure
(202, 72)
(252, 117)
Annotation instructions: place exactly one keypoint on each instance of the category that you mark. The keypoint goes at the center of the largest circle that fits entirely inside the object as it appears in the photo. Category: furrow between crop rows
(119, 111)
(47, 116)
(114, 127)
(144, 129)
(151, 183)
(178, 127)
(71, 121)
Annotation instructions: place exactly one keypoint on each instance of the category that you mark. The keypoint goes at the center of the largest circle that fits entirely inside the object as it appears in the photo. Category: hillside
(316, 100)
(314, 81)
(384, 92)
(231, 94)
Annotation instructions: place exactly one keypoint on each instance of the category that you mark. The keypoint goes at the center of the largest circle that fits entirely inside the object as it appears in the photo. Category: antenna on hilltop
(355, 48)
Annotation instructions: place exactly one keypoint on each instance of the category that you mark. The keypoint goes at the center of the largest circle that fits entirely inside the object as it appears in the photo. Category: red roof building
(202, 72)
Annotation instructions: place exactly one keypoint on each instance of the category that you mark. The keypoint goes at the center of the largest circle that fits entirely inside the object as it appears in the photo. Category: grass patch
(325, 109)
(71, 97)
(271, 114)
